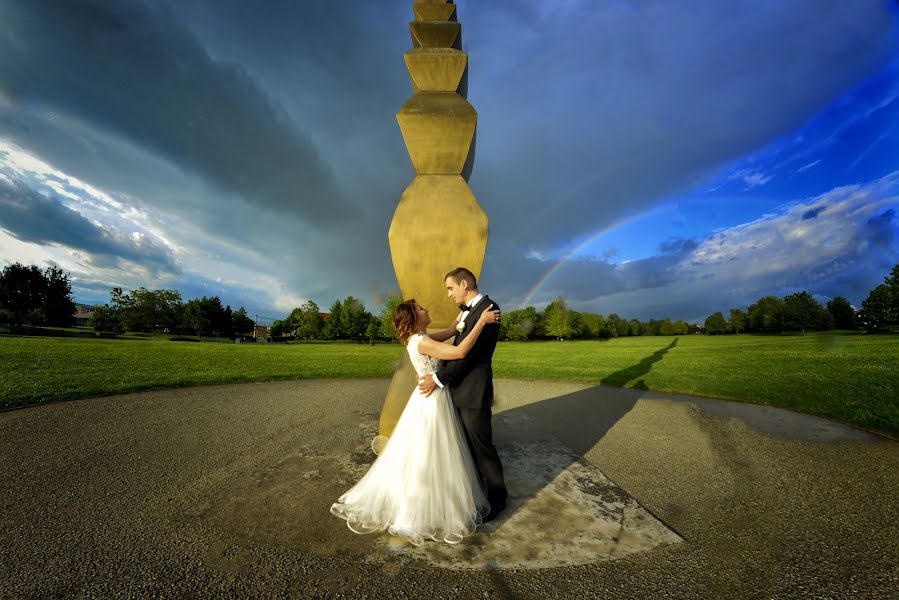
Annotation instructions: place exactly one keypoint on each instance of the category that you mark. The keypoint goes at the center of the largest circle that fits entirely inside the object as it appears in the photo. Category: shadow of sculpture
(637, 371)
(569, 425)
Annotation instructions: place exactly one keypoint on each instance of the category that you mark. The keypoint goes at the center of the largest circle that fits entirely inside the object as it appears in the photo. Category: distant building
(263, 333)
(82, 313)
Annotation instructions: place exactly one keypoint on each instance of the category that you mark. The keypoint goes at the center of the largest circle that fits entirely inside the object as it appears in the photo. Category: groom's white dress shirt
(472, 304)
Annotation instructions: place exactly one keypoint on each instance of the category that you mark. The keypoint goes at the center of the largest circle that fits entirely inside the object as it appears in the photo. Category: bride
(424, 484)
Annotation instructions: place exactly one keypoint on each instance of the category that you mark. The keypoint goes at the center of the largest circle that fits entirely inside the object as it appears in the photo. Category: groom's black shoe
(495, 509)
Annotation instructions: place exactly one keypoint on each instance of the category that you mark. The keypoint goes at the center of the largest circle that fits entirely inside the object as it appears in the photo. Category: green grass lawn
(853, 378)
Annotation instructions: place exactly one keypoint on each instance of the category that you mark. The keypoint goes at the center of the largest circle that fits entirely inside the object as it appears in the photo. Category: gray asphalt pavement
(223, 492)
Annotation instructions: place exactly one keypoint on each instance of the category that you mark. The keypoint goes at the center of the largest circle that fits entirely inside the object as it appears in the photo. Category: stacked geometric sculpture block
(438, 224)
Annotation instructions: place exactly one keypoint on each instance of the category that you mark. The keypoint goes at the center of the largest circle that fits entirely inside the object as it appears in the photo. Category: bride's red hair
(405, 319)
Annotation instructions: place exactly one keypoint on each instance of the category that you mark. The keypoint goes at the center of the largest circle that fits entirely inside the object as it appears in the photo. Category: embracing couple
(439, 475)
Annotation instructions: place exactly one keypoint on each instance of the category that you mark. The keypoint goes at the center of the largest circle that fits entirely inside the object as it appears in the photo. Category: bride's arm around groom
(438, 349)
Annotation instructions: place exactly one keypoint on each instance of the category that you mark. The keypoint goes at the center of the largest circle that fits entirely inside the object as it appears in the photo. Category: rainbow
(646, 154)
(576, 249)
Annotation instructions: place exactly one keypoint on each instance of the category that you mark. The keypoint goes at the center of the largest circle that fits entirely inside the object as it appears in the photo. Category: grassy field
(852, 378)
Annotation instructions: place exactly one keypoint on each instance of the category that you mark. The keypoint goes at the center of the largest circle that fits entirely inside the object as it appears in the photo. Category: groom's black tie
(464, 307)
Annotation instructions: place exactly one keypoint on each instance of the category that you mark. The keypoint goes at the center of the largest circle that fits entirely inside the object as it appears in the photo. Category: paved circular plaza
(223, 491)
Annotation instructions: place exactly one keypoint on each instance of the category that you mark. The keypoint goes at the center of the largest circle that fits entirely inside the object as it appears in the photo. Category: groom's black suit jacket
(471, 378)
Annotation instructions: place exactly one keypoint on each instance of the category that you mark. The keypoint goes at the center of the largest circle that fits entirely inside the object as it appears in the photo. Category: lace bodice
(423, 363)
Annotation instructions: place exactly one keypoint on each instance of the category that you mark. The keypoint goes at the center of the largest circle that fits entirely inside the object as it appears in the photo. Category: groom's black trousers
(479, 432)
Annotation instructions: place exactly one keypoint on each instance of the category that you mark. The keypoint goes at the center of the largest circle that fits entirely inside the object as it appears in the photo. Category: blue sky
(647, 158)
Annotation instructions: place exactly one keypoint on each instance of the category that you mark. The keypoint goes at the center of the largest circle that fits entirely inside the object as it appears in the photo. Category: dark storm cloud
(32, 217)
(600, 108)
(138, 72)
(881, 230)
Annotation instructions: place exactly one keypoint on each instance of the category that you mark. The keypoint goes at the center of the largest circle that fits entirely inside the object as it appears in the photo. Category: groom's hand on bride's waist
(427, 384)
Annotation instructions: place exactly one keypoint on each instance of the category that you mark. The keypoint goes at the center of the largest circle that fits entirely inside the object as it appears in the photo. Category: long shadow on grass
(573, 424)
(637, 371)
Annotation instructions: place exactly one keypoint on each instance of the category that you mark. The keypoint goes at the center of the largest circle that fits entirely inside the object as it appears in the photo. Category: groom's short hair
(460, 274)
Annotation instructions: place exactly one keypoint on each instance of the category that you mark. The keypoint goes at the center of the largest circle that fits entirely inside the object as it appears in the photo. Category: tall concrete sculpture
(438, 224)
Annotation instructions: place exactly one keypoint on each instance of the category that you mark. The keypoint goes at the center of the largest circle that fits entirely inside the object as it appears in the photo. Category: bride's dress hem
(339, 510)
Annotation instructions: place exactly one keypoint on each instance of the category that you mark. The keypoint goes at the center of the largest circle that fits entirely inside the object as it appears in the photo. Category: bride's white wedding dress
(424, 484)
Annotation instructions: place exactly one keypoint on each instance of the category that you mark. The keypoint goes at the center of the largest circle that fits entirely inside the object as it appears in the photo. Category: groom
(471, 381)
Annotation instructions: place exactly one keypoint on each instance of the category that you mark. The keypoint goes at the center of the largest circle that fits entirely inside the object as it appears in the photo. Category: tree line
(35, 296)
(150, 311)
(29, 295)
(769, 314)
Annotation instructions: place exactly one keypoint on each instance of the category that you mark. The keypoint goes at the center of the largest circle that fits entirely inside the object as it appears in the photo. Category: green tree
(194, 319)
(622, 327)
(593, 324)
(354, 318)
(738, 320)
(122, 305)
(878, 309)
(519, 325)
(222, 322)
(680, 327)
(148, 310)
(206, 316)
(169, 306)
(280, 327)
(666, 327)
(892, 283)
(386, 329)
(332, 329)
(309, 321)
(36, 317)
(241, 323)
(373, 329)
(801, 311)
(610, 328)
(844, 315)
(104, 318)
(715, 324)
(636, 327)
(578, 328)
(57, 303)
(766, 315)
(892, 280)
(141, 315)
(22, 292)
(556, 319)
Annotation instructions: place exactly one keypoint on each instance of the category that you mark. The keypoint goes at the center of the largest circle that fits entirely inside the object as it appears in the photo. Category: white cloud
(884, 135)
(804, 246)
(124, 239)
(751, 178)
(808, 166)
